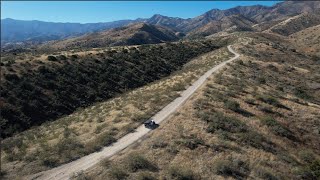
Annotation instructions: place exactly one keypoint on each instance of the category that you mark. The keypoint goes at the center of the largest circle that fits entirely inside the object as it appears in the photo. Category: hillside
(307, 40)
(258, 118)
(231, 23)
(295, 24)
(134, 34)
(35, 91)
(90, 128)
(70, 90)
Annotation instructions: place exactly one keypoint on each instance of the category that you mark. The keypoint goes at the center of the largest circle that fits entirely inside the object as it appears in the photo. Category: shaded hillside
(134, 34)
(257, 119)
(36, 91)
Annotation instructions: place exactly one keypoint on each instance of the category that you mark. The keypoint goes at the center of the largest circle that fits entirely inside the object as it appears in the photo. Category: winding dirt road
(84, 163)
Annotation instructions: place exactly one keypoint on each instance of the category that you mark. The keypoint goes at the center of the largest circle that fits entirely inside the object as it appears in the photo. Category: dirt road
(84, 163)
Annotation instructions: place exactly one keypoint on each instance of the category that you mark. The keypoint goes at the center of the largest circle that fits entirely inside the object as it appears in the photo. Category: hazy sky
(104, 11)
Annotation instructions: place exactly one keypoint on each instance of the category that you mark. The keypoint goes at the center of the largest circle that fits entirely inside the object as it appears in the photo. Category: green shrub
(270, 100)
(50, 162)
(255, 140)
(307, 156)
(232, 105)
(105, 139)
(264, 174)
(145, 176)
(250, 101)
(159, 143)
(118, 173)
(181, 173)
(137, 162)
(232, 167)
(74, 56)
(301, 93)
(62, 57)
(191, 142)
(277, 128)
(217, 121)
(52, 58)
(262, 80)
(310, 171)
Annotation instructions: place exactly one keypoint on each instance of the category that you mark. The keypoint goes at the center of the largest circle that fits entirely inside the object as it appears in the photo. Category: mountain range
(240, 18)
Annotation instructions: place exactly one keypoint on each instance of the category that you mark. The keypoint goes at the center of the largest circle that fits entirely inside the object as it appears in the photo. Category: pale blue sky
(105, 11)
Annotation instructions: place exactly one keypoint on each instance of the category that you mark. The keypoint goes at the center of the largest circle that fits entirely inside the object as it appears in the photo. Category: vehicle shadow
(152, 127)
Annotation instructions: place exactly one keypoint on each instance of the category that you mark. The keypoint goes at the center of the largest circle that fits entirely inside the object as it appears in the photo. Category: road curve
(84, 163)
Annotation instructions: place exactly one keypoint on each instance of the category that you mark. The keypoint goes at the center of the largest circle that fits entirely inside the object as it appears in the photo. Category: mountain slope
(307, 40)
(257, 119)
(296, 24)
(134, 34)
(39, 31)
(229, 23)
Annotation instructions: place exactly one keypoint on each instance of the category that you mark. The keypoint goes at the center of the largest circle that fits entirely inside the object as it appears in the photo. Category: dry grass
(87, 130)
(183, 148)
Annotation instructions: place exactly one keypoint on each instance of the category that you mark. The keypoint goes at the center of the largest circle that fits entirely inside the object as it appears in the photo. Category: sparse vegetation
(235, 168)
(52, 90)
(137, 162)
(180, 173)
(241, 130)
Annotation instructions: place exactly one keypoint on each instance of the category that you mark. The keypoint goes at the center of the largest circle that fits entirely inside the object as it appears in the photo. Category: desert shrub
(136, 162)
(232, 167)
(255, 140)
(10, 62)
(264, 174)
(301, 93)
(266, 109)
(105, 162)
(62, 57)
(250, 101)
(191, 142)
(12, 77)
(105, 139)
(287, 158)
(159, 143)
(232, 105)
(2, 173)
(307, 156)
(270, 100)
(50, 162)
(52, 58)
(276, 127)
(180, 173)
(74, 56)
(118, 173)
(262, 80)
(310, 171)
(141, 117)
(217, 121)
(145, 176)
